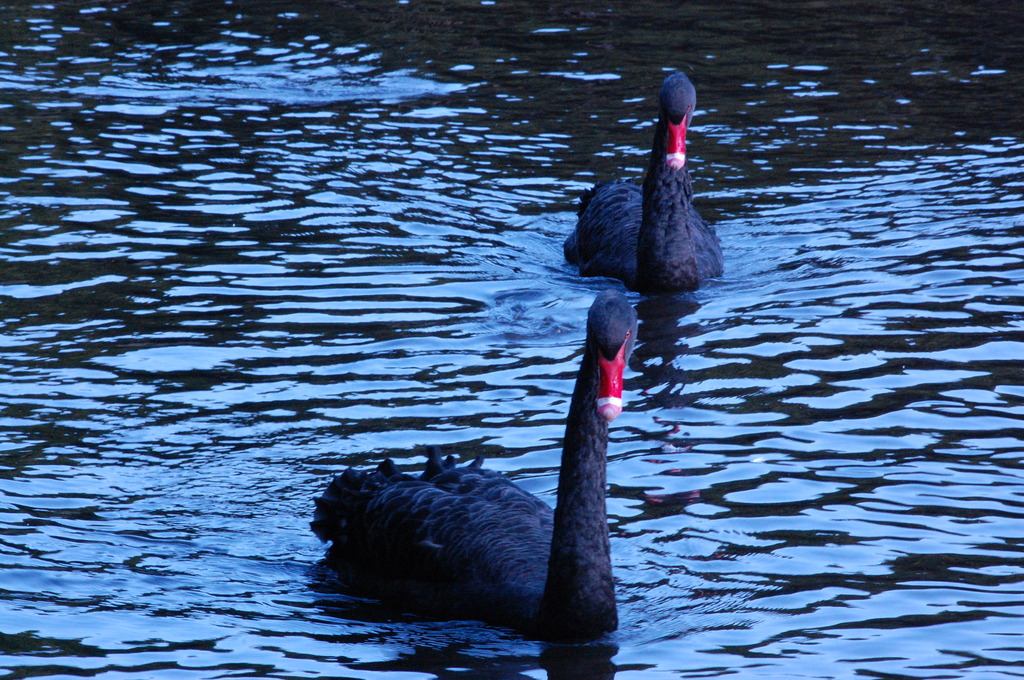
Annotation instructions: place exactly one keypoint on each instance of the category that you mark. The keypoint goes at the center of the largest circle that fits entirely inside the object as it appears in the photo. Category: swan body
(651, 237)
(464, 542)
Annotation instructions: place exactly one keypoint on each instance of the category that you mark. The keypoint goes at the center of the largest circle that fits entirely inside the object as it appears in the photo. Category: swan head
(678, 99)
(611, 330)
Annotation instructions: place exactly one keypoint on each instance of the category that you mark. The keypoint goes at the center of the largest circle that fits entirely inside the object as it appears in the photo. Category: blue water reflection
(243, 247)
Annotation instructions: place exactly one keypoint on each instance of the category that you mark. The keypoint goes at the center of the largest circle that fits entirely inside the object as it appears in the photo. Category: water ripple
(239, 255)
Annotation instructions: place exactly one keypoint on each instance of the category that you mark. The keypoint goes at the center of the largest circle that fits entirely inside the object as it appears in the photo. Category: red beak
(675, 151)
(609, 393)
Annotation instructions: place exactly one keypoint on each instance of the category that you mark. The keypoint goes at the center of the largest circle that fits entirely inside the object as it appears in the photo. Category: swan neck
(579, 595)
(666, 255)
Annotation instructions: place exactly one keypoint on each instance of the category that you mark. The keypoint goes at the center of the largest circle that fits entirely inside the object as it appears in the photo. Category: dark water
(246, 244)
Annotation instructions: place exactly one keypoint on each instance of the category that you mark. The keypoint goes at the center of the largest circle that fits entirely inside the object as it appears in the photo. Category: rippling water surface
(243, 245)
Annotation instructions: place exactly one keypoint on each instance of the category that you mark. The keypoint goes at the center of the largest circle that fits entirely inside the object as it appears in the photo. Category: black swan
(652, 238)
(466, 543)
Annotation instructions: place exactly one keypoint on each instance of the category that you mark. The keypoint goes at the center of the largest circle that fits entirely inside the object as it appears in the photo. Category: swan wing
(451, 524)
(605, 239)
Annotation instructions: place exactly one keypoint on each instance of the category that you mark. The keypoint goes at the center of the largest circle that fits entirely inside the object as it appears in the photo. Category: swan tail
(329, 518)
(345, 496)
(569, 247)
(348, 493)
(586, 197)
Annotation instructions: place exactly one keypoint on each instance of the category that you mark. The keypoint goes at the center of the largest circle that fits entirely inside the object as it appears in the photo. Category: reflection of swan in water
(466, 651)
(467, 543)
(562, 662)
(570, 662)
(663, 320)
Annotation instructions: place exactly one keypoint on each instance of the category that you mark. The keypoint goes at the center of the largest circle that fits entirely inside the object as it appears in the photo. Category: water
(247, 244)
